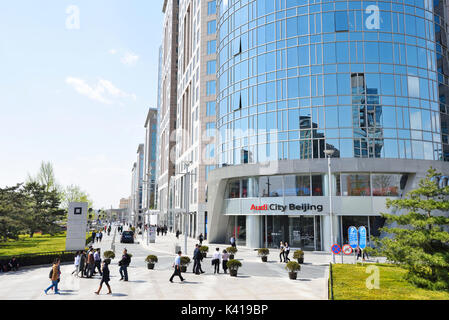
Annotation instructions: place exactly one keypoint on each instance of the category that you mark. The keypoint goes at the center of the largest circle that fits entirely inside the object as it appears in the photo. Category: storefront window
(317, 185)
(234, 189)
(240, 230)
(385, 185)
(297, 185)
(270, 186)
(355, 184)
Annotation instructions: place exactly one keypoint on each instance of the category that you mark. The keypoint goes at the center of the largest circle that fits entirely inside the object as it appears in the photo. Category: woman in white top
(287, 251)
(216, 260)
(281, 252)
(77, 263)
(225, 258)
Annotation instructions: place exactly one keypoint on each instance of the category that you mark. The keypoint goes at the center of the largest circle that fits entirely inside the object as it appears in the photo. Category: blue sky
(77, 97)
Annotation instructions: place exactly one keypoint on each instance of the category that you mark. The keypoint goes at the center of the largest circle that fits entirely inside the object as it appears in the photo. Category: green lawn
(39, 243)
(349, 283)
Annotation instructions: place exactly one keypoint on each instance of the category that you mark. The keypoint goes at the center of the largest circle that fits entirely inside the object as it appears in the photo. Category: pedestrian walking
(224, 259)
(232, 241)
(124, 263)
(158, 229)
(216, 259)
(90, 263)
(177, 266)
(197, 257)
(286, 252)
(93, 236)
(177, 234)
(13, 264)
(101, 236)
(82, 264)
(97, 261)
(98, 236)
(54, 276)
(109, 230)
(281, 252)
(77, 263)
(165, 230)
(105, 276)
(201, 238)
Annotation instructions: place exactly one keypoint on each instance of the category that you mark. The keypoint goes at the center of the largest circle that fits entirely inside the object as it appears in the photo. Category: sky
(76, 81)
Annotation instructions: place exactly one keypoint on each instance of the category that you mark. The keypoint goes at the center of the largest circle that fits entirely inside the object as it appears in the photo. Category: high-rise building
(124, 203)
(195, 130)
(298, 78)
(168, 73)
(137, 188)
(149, 163)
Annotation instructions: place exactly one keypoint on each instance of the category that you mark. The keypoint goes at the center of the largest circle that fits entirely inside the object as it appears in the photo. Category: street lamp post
(329, 154)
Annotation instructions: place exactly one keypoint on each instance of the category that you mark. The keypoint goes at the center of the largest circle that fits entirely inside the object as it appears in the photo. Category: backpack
(51, 273)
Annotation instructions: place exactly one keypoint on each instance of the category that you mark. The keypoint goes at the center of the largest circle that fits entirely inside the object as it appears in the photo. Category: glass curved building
(365, 79)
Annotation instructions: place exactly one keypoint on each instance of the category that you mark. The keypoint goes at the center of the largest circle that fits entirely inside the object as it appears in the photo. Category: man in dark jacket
(196, 259)
(124, 263)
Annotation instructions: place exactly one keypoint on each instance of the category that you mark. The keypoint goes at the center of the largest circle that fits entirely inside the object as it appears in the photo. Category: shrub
(298, 254)
(293, 266)
(204, 249)
(233, 264)
(151, 259)
(185, 260)
(109, 254)
(263, 252)
(232, 250)
(40, 258)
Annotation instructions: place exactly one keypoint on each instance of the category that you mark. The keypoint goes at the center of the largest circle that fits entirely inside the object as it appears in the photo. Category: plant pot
(264, 259)
(184, 269)
(204, 254)
(293, 275)
(231, 256)
(150, 266)
(301, 260)
(233, 273)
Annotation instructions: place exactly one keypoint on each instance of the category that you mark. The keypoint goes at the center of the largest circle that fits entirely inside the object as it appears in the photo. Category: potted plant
(293, 267)
(151, 260)
(204, 250)
(263, 252)
(299, 255)
(184, 263)
(232, 251)
(109, 254)
(233, 266)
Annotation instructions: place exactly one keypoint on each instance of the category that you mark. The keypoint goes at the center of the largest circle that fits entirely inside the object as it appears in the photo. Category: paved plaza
(256, 280)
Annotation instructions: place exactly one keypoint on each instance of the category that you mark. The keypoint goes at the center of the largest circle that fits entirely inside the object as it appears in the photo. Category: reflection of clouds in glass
(413, 87)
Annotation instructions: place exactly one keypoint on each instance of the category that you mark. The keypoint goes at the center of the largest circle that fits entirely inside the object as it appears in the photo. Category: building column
(326, 229)
(253, 235)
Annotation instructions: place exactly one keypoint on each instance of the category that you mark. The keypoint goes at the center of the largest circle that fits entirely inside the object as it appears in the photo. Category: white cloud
(104, 91)
(130, 59)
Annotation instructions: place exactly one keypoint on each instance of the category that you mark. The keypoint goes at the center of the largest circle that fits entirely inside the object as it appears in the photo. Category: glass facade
(367, 79)
(347, 184)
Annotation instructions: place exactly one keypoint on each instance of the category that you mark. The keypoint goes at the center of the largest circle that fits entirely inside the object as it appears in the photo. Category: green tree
(419, 241)
(46, 177)
(74, 193)
(12, 209)
(43, 209)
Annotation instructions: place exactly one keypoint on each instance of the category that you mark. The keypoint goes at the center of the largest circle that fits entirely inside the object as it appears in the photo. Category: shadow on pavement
(119, 295)
(137, 281)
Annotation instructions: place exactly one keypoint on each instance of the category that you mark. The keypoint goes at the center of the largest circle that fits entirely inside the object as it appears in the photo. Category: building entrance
(300, 232)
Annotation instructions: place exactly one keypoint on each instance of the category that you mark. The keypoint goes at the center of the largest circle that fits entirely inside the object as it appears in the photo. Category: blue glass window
(211, 7)
(341, 21)
(212, 27)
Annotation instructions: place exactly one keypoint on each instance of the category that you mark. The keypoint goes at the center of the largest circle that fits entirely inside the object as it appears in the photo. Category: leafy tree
(74, 193)
(43, 209)
(46, 177)
(12, 208)
(419, 241)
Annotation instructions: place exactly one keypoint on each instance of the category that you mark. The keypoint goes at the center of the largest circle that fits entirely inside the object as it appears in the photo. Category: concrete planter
(264, 259)
(150, 266)
(293, 275)
(204, 254)
(184, 269)
(231, 256)
(233, 273)
(301, 260)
